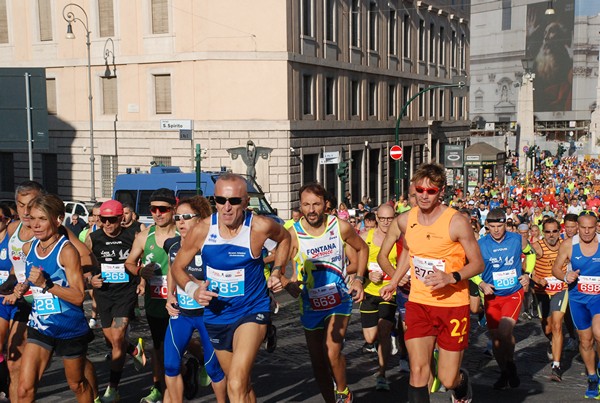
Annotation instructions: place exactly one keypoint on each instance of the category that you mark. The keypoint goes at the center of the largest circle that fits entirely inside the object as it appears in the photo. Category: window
(45, 20)
(453, 49)
(307, 18)
(51, 95)
(506, 15)
(107, 18)
(355, 22)
(330, 96)
(431, 43)
(452, 112)
(463, 51)
(442, 47)
(3, 22)
(355, 102)
(7, 172)
(109, 167)
(441, 109)
(405, 97)
(372, 99)
(162, 93)
(50, 173)
(160, 17)
(406, 36)
(479, 101)
(307, 94)
(421, 40)
(421, 104)
(372, 26)
(461, 102)
(330, 20)
(110, 105)
(392, 33)
(432, 103)
(162, 161)
(392, 104)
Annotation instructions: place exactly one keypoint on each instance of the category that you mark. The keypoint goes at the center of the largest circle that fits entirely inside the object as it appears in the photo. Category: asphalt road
(286, 374)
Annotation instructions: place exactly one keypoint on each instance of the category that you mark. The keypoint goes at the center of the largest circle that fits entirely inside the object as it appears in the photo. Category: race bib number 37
(589, 285)
(325, 297)
(227, 283)
(424, 266)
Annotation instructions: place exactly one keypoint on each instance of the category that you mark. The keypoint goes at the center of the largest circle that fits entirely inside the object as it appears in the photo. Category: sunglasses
(111, 220)
(185, 217)
(587, 212)
(388, 219)
(234, 201)
(162, 209)
(429, 191)
(554, 231)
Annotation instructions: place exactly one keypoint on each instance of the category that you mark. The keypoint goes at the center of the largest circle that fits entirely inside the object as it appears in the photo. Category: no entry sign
(396, 152)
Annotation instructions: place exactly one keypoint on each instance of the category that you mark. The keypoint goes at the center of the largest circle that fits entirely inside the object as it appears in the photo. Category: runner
(550, 292)
(584, 296)
(115, 292)
(57, 323)
(503, 283)
(236, 317)
(438, 242)
(378, 317)
(186, 314)
(128, 219)
(7, 309)
(320, 269)
(148, 250)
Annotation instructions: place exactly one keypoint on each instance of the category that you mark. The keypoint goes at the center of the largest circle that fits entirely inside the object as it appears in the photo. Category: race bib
(374, 267)
(424, 266)
(185, 301)
(45, 303)
(325, 297)
(504, 280)
(589, 285)
(3, 276)
(554, 284)
(158, 287)
(114, 273)
(227, 283)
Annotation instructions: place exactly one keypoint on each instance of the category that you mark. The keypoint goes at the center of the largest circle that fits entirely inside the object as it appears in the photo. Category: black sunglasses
(234, 201)
(111, 220)
(162, 209)
(587, 212)
(184, 217)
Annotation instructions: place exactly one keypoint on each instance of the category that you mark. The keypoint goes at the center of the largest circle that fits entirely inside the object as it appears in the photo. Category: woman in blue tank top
(57, 323)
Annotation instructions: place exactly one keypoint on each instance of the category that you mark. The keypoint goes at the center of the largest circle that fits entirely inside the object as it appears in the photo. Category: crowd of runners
(419, 268)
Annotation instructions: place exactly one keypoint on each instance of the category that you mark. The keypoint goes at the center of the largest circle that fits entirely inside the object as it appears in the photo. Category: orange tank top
(430, 248)
(543, 269)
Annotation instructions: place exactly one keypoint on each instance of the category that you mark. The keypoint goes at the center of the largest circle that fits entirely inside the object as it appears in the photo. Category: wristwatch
(456, 276)
(360, 278)
(49, 285)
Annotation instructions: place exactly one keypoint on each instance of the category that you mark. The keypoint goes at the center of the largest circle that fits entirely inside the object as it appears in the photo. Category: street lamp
(550, 8)
(71, 18)
(108, 53)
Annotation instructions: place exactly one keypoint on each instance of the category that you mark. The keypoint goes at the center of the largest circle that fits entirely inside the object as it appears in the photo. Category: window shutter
(160, 17)
(110, 103)
(45, 20)
(3, 22)
(162, 91)
(51, 95)
(107, 19)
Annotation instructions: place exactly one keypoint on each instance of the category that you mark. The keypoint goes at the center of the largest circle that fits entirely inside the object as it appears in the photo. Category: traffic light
(403, 170)
(561, 150)
(342, 170)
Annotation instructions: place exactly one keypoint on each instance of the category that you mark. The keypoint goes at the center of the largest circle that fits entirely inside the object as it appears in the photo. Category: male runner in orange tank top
(437, 244)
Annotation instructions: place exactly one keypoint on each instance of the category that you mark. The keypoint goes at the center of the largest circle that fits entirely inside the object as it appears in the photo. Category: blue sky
(587, 7)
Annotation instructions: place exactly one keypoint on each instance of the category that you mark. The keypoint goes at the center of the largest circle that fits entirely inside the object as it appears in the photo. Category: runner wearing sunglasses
(437, 244)
(148, 252)
(235, 294)
(115, 291)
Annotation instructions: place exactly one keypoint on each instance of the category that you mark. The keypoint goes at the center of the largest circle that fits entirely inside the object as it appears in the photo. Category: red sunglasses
(429, 191)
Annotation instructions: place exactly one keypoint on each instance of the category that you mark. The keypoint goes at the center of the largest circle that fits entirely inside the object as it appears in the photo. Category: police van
(136, 188)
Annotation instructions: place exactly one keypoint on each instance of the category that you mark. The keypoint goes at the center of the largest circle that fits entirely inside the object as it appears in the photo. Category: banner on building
(454, 156)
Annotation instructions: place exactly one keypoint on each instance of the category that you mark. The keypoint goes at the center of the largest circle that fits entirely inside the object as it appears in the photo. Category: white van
(76, 207)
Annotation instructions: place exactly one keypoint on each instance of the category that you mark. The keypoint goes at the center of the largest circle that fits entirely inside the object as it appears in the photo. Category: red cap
(111, 208)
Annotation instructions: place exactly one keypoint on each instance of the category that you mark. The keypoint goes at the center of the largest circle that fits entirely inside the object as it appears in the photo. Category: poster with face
(549, 43)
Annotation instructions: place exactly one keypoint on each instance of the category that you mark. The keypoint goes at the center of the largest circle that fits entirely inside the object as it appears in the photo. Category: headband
(166, 199)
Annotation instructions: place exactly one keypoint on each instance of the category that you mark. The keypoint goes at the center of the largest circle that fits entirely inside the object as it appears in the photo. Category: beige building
(303, 77)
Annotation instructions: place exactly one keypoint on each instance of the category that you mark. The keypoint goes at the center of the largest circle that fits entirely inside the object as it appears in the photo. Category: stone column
(525, 118)
(595, 121)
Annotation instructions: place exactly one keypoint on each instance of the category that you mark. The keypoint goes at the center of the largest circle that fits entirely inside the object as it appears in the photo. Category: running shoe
(4, 399)
(111, 395)
(271, 343)
(190, 379)
(382, 384)
(139, 358)
(347, 397)
(394, 345)
(468, 397)
(549, 351)
(93, 323)
(203, 378)
(154, 397)
(556, 373)
(96, 400)
(369, 348)
(592, 390)
(502, 382)
(513, 377)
